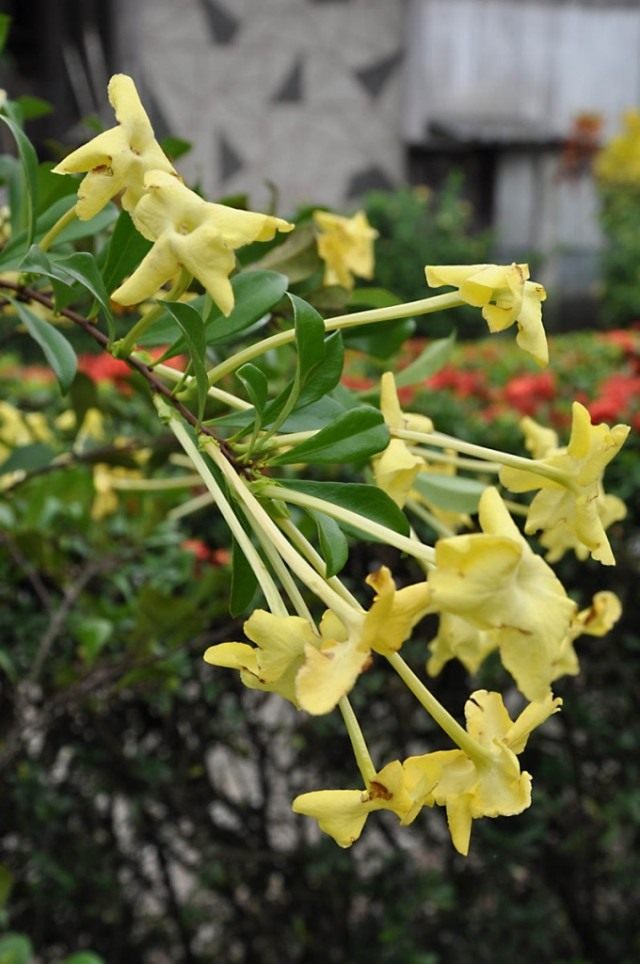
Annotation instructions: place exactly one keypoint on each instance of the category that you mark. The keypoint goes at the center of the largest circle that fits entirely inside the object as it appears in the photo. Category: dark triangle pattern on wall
(368, 179)
(374, 78)
(291, 90)
(223, 25)
(229, 160)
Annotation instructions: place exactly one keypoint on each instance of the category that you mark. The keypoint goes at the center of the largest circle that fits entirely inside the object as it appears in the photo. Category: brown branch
(23, 293)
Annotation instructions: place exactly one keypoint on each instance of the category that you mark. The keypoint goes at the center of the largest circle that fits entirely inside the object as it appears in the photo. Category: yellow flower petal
(118, 159)
(195, 234)
(346, 247)
(505, 295)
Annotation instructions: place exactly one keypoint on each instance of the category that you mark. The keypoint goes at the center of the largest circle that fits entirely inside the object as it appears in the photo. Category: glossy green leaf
(192, 327)
(310, 334)
(355, 435)
(334, 547)
(256, 385)
(80, 267)
(456, 493)
(366, 500)
(23, 209)
(256, 293)
(243, 582)
(296, 257)
(328, 373)
(431, 360)
(126, 250)
(55, 346)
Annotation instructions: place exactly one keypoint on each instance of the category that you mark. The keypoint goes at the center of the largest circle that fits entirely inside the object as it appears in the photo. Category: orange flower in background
(527, 392)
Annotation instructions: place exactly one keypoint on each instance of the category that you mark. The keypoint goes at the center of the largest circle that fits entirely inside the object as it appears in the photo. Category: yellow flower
(489, 786)
(118, 159)
(619, 161)
(191, 233)
(576, 514)
(597, 620)
(346, 247)
(459, 639)
(105, 484)
(342, 813)
(315, 670)
(395, 469)
(494, 580)
(505, 295)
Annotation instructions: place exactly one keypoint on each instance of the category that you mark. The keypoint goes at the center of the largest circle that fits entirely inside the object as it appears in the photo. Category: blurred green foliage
(620, 258)
(417, 227)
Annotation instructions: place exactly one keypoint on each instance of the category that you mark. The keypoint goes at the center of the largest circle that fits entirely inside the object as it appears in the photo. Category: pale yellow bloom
(506, 297)
(618, 162)
(488, 786)
(575, 514)
(342, 813)
(597, 620)
(118, 159)
(459, 639)
(494, 580)
(396, 468)
(193, 234)
(346, 247)
(105, 484)
(315, 670)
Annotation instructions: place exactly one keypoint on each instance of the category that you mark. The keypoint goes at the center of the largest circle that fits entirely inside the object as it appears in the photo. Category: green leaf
(5, 23)
(243, 581)
(256, 384)
(15, 949)
(24, 207)
(126, 250)
(192, 327)
(334, 547)
(175, 147)
(55, 346)
(366, 500)
(7, 666)
(6, 884)
(83, 395)
(327, 375)
(78, 267)
(310, 335)
(296, 257)
(456, 493)
(431, 360)
(358, 434)
(92, 634)
(373, 298)
(255, 293)
(26, 458)
(33, 107)
(381, 340)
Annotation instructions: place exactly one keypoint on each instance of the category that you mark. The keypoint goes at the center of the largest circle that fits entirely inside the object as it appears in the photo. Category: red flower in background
(527, 393)
(619, 398)
(464, 384)
(104, 368)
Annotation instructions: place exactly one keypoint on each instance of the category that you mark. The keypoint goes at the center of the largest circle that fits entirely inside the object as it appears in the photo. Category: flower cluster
(311, 636)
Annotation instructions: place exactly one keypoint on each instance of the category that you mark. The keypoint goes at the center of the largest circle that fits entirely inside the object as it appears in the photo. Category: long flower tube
(424, 306)
(412, 547)
(268, 586)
